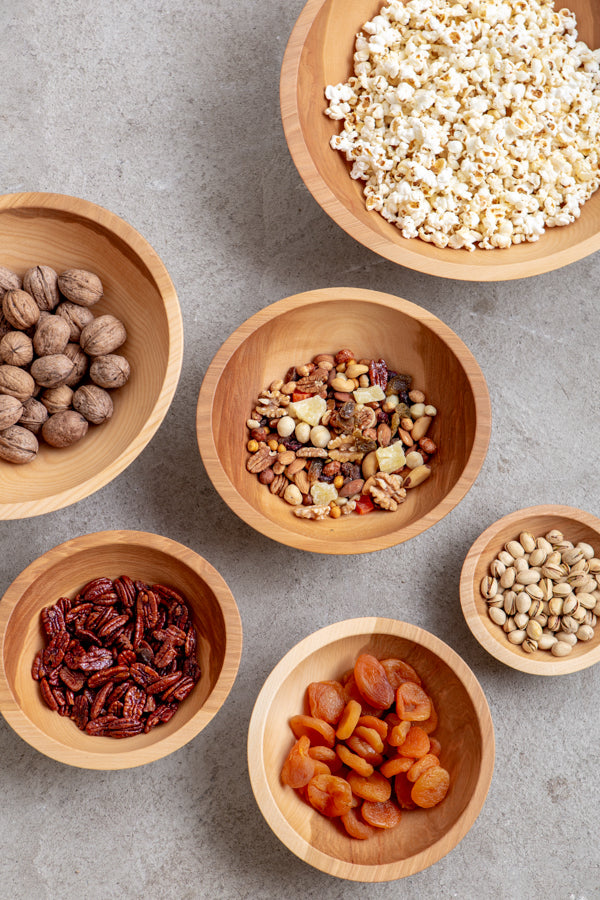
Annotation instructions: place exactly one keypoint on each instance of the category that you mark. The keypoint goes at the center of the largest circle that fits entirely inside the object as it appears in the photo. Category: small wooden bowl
(65, 232)
(319, 53)
(62, 572)
(576, 525)
(371, 324)
(465, 731)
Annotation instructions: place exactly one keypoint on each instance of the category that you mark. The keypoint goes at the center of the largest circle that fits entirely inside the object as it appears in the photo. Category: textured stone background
(167, 113)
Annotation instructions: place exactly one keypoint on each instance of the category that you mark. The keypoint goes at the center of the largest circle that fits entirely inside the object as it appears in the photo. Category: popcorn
(474, 124)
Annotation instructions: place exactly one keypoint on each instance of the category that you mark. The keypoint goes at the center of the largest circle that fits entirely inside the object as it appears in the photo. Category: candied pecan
(95, 589)
(78, 613)
(113, 673)
(133, 703)
(109, 630)
(378, 373)
(143, 674)
(80, 711)
(343, 356)
(37, 670)
(190, 644)
(262, 459)
(95, 659)
(53, 620)
(55, 651)
(47, 694)
(73, 680)
(100, 699)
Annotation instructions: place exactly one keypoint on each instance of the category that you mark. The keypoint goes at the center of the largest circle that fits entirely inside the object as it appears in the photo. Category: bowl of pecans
(462, 165)
(371, 749)
(116, 649)
(91, 343)
(343, 420)
(530, 589)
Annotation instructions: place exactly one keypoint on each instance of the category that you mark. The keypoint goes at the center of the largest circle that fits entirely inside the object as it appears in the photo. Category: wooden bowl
(319, 53)
(465, 731)
(65, 232)
(371, 324)
(65, 570)
(576, 525)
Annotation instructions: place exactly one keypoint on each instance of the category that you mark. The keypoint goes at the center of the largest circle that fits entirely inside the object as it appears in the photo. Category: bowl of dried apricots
(371, 749)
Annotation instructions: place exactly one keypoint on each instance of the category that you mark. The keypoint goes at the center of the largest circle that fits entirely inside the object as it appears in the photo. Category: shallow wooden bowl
(319, 53)
(576, 525)
(66, 232)
(65, 570)
(371, 324)
(465, 731)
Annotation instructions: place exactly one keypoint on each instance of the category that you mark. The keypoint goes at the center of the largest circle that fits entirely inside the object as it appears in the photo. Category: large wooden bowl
(465, 731)
(371, 324)
(576, 525)
(66, 232)
(65, 570)
(319, 53)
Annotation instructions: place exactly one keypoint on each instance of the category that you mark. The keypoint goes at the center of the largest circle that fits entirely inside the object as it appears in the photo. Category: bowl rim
(469, 596)
(278, 532)
(99, 215)
(403, 253)
(258, 776)
(90, 759)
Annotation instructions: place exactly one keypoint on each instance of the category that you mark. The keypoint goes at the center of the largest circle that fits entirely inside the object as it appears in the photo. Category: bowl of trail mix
(343, 420)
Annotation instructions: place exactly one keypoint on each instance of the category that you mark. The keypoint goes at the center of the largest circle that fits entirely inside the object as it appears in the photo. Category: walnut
(18, 445)
(10, 411)
(51, 336)
(311, 512)
(387, 491)
(103, 335)
(16, 349)
(34, 415)
(57, 399)
(64, 428)
(9, 281)
(76, 317)
(16, 382)
(81, 287)
(94, 403)
(347, 455)
(110, 371)
(79, 360)
(20, 309)
(53, 370)
(42, 283)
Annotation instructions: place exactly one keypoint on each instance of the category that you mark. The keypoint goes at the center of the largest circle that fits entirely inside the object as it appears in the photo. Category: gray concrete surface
(167, 113)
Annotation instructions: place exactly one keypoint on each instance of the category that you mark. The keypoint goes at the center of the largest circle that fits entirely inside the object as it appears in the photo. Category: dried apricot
(431, 723)
(356, 826)
(330, 795)
(318, 731)
(434, 745)
(321, 768)
(370, 736)
(402, 790)
(299, 767)
(398, 734)
(349, 720)
(361, 748)
(395, 765)
(373, 722)
(374, 787)
(372, 682)
(417, 743)
(412, 703)
(353, 693)
(326, 700)
(354, 761)
(398, 672)
(421, 765)
(431, 787)
(328, 756)
(381, 815)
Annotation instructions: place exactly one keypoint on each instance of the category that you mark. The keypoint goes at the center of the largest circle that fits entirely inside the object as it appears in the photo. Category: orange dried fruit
(431, 787)
(373, 722)
(372, 682)
(321, 768)
(381, 815)
(361, 748)
(402, 790)
(330, 795)
(417, 743)
(299, 767)
(354, 761)
(421, 765)
(328, 756)
(318, 731)
(370, 736)
(326, 700)
(398, 734)
(412, 703)
(396, 765)
(431, 723)
(356, 826)
(353, 693)
(375, 787)
(434, 745)
(349, 720)
(398, 672)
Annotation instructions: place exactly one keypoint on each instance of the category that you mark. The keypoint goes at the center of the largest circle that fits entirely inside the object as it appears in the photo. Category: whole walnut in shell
(94, 403)
(51, 336)
(76, 317)
(34, 415)
(9, 281)
(79, 360)
(18, 445)
(64, 428)
(42, 283)
(57, 399)
(102, 336)
(80, 286)
(16, 382)
(20, 309)
(16, 349)
(52, 371)
(11, 410)
(110, 371)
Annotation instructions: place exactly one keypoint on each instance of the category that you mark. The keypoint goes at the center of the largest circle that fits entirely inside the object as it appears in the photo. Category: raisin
(372, 682)
(381, 814)
(326, 700)
(330, 795)
(431, 787)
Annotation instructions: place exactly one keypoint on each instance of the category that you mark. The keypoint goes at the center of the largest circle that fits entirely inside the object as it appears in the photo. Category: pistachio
(507, 579)
(585, 633)
(515, 549)
(560, 648)
(529, 645)
(521, 620)
(587, 601)
(554, 536)
(534, 630)
(497, 568)
(489, 586)
(554, 572)
(566, 637)
(505, 558)
(537, 557)
(535, 591)
(523, 602)
(528, 576)
(510, 603)
(586, 549)
(517, 636)
(527, 541)
(498, 616)
(546, 642)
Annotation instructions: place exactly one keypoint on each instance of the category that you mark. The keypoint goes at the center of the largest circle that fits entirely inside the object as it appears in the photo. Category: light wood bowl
(62, 572)
(372, 324)
(465, 731)
(576, 525)
(66, 232)
(319, 53)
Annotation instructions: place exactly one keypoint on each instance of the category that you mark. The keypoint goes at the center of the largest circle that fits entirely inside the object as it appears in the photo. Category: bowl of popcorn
(91, 343)
(530, 589)
(343, 420)
(371, 749)
(116, 649)
(459, 140)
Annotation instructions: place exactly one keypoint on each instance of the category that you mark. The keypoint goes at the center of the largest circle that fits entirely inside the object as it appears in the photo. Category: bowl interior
(320, 53)
(423, 836)
(409, 342)
(33, 235)
(213, 613)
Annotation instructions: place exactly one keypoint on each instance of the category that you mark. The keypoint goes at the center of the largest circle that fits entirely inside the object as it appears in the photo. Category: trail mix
(119, 658)
(339, 435)
(544, 592)
(366, 751)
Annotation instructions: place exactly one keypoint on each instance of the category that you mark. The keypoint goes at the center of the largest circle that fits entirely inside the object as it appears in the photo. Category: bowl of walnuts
(90, 349)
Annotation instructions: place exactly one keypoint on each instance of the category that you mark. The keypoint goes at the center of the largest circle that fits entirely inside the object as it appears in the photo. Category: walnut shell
(57, 399)
(79, 360)
(94, 403)
(18, 445)
(76, 317)
(81, 287)
(53, 370)
(11, 410)
(5, 326)
(51, 336)
(64, 428)
(9, 281)
(102, 336)
(16, 382)
(20, 309)
(16, 349)
(42, 283)
(110, 371)
(34, 415)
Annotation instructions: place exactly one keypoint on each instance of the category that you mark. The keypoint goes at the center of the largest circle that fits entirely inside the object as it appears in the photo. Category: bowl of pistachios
(530, 589)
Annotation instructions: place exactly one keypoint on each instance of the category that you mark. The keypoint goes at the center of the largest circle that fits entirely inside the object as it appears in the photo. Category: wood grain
(62, 572)
(65, 232)
(372, 324)
(465, 731)
(319, 52)
(576, 525)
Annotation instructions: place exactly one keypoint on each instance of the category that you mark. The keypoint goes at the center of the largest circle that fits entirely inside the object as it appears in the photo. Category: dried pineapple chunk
(369, 394)
(391, 458)
(310, 410)
(323, 493)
